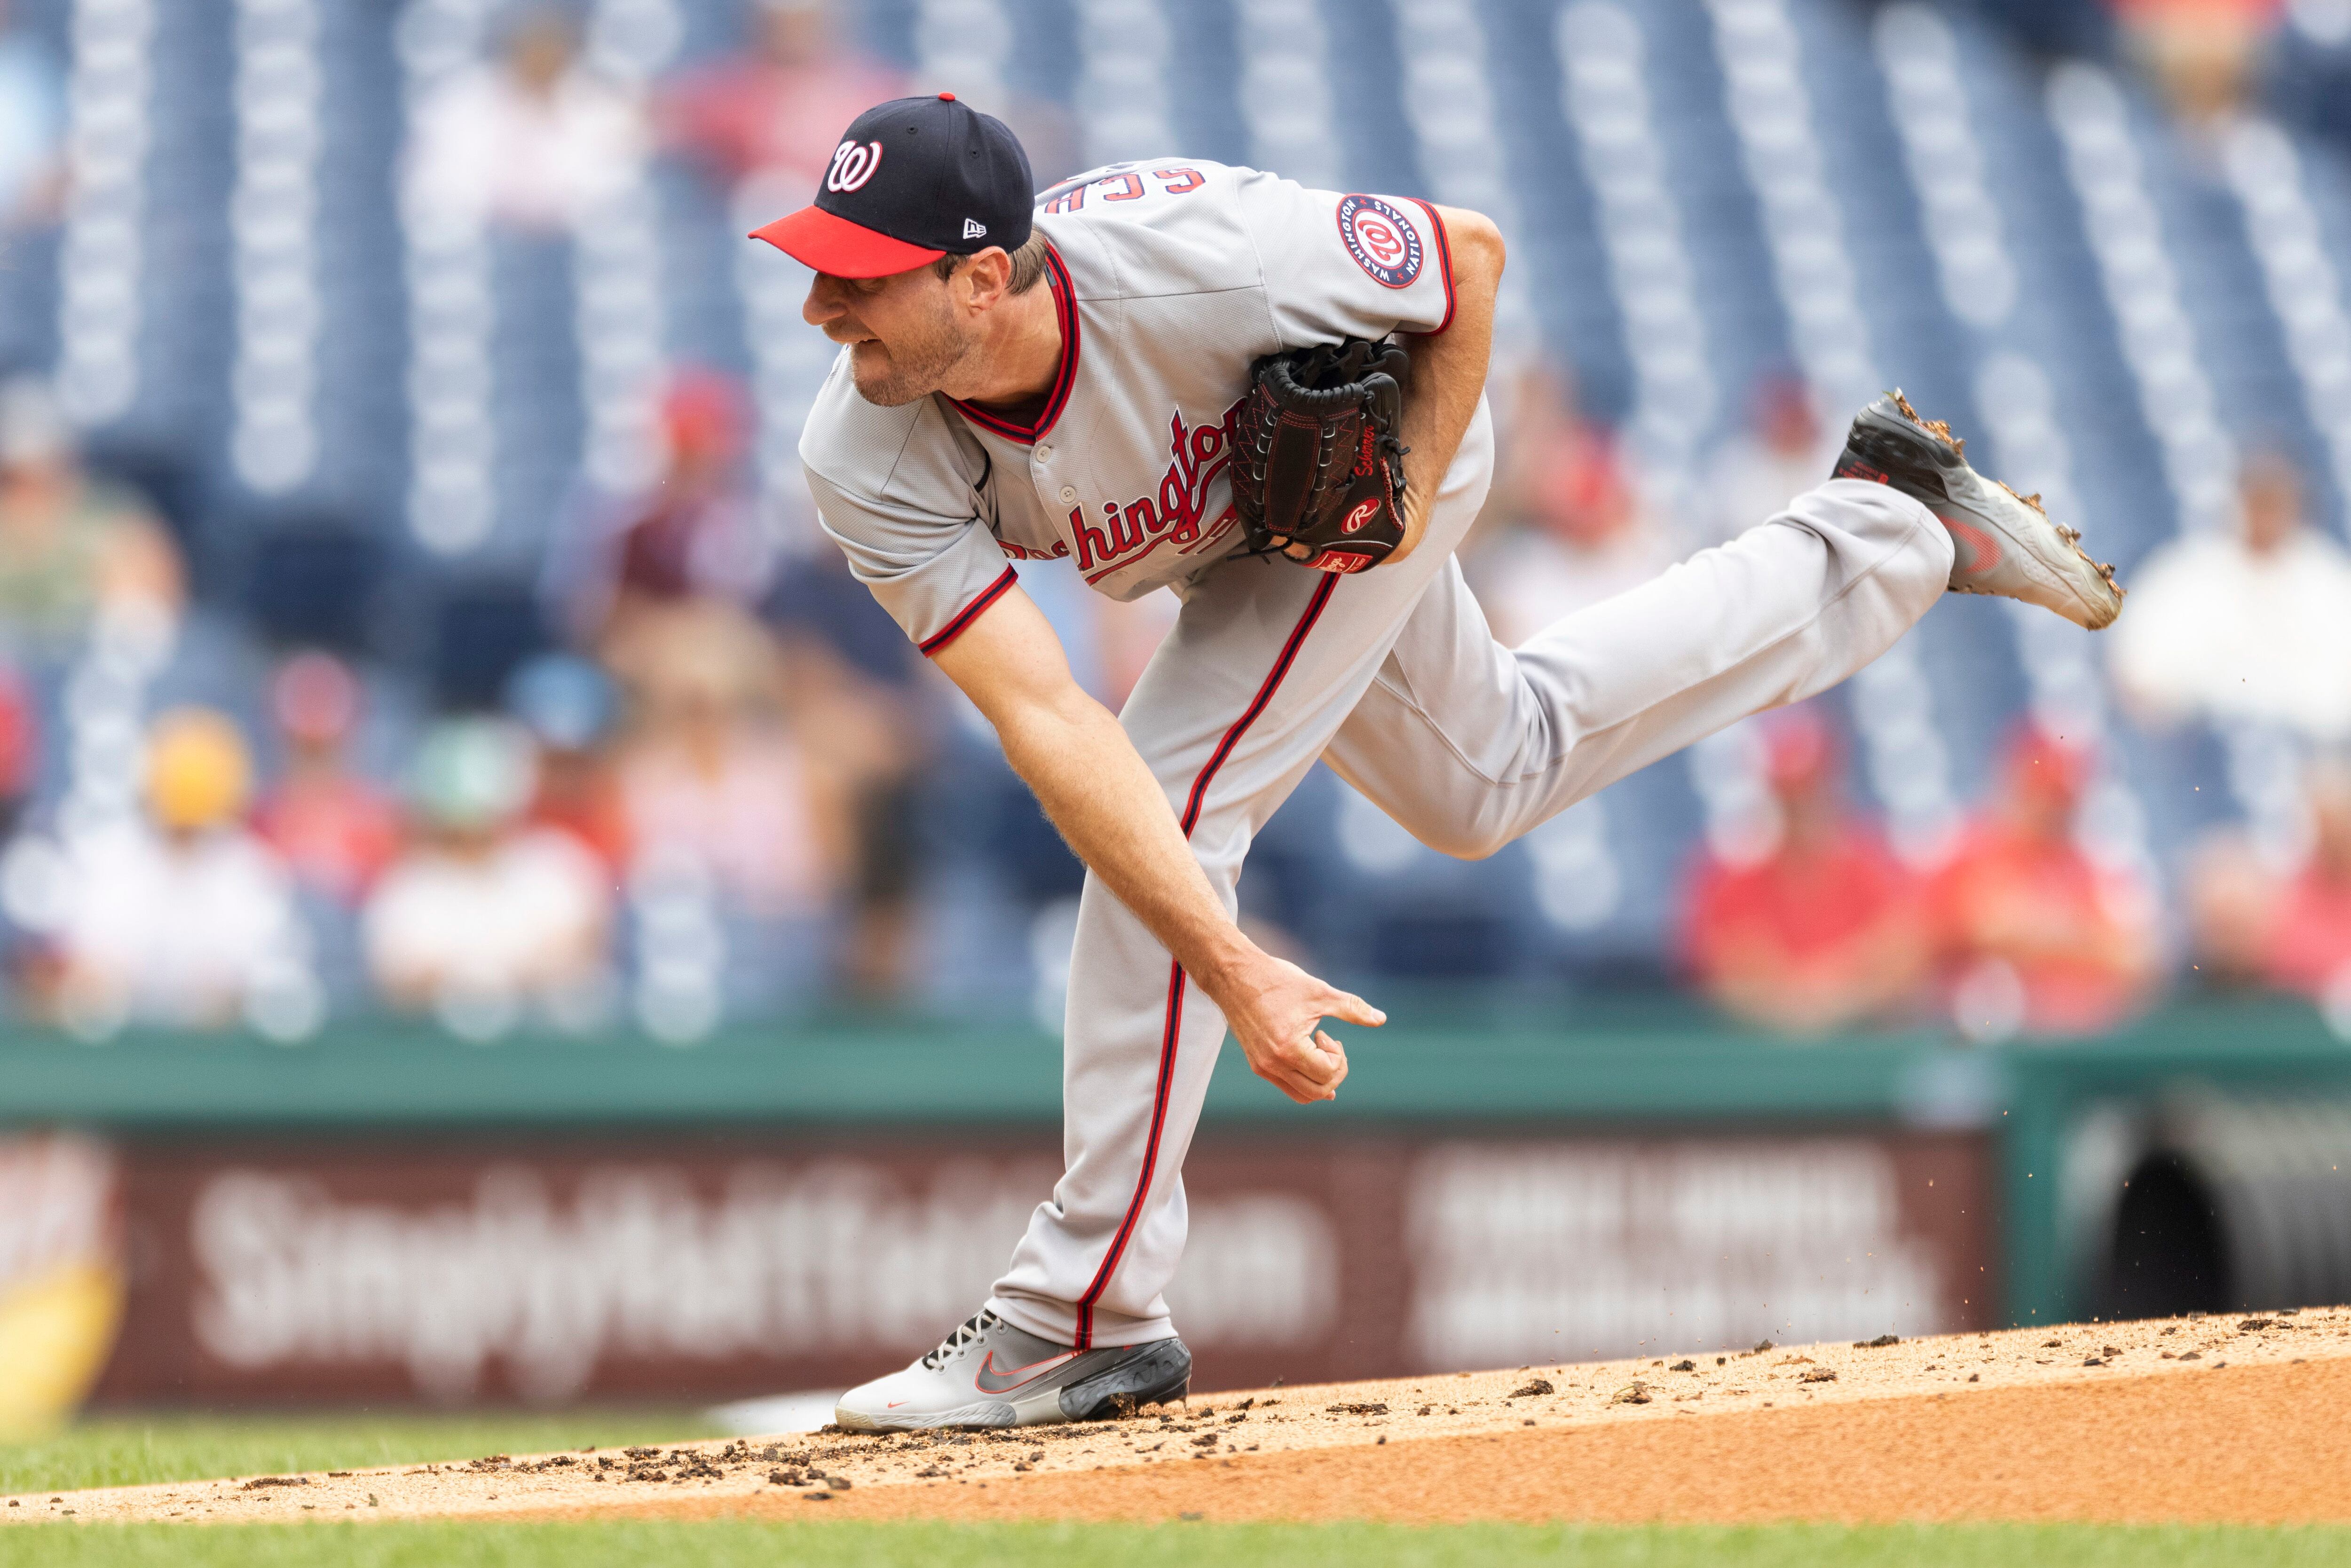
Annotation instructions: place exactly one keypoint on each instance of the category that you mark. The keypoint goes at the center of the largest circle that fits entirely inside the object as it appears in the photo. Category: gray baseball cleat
(990, 1373)
(2006, 544)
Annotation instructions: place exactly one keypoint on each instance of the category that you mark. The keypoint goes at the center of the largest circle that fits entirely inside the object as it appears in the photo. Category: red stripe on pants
(1174, 1028)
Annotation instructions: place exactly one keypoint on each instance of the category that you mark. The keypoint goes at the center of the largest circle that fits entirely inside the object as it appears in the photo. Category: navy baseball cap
(914, 180)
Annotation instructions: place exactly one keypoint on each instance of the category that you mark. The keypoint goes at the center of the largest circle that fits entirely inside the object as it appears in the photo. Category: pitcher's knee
(1917, 548)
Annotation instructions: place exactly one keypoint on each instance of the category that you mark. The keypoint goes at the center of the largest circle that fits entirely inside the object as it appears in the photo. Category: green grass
(110, 1451)
(123, 1450)
(1163, 1546)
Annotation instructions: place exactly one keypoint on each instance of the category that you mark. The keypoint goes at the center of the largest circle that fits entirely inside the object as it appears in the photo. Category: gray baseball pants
(1393, 678)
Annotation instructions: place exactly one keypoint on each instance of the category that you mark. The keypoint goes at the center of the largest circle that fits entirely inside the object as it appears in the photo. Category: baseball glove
(1318, 472)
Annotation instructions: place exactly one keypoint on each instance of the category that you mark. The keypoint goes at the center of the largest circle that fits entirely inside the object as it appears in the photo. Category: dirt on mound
(2196, 1419)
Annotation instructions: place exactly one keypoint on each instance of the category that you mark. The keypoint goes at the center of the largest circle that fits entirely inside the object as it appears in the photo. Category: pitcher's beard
(916, 366)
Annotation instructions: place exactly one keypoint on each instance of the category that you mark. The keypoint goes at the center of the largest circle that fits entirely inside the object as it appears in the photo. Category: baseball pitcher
(1269, 400)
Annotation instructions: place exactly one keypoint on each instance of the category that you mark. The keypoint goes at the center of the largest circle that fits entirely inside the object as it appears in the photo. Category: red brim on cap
(817, 238)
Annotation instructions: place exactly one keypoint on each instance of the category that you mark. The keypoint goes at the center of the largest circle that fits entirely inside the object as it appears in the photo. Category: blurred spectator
(717, 779)
(2033, 936)
(486, 917)
(2253, 625)
(777, 108)
(537, 141)
(2203, 54)
(1783, 453)
(2232, 900)
(68, 544)
(2306, 941)
(32, 127)
(336, 831)
(20, 750)
(851, 676)
(1577, 532)
(185, 919)
(690, 543)
(28, 964)
(1825, 929)
(567, 705)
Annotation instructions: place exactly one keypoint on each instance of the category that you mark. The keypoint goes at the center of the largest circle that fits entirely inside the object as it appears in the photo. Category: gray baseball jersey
(1171, 276)
(1169, 279)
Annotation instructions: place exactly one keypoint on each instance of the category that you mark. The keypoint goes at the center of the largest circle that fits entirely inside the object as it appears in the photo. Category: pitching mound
(2201, 1419)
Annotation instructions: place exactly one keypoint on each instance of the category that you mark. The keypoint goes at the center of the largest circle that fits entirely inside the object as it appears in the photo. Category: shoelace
(979, 1324)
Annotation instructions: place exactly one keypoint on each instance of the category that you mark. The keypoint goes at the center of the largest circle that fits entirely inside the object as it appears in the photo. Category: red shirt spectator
(1577, 532)
(1824, 930)
(778, 109)
(693, 536)
(2308, 946)
(2260, 13)
(336, 832)
(20, 748)
(577, 795)
(567, 705)
(2204, 53)
(2034, 935)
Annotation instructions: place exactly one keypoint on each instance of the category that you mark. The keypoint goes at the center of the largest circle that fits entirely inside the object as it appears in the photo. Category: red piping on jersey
(1444, 264)
(969, 613)
(1065, 310)
(1173, 1028)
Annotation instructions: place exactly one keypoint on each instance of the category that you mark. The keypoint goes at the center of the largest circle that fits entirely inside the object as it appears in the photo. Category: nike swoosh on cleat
(1983, 551)
(990, 1381)
(893, 1404)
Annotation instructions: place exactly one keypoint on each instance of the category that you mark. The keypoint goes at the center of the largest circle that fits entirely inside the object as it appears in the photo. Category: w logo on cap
(958, 181)
(853, 163)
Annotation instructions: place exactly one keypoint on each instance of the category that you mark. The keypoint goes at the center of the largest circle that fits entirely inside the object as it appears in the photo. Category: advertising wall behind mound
(61, 1277)
(494, 1269)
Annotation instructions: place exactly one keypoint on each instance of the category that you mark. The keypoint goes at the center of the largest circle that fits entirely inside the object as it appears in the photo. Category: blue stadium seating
(1344, 884)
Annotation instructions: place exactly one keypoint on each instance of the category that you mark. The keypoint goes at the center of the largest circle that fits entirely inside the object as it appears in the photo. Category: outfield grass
(1165, 1546)
(108, 1451)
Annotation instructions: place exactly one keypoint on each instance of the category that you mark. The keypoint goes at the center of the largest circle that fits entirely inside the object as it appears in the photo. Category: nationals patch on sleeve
(1381, 239)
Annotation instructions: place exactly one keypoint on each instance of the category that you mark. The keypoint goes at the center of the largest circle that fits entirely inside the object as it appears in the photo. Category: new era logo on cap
(913, 179)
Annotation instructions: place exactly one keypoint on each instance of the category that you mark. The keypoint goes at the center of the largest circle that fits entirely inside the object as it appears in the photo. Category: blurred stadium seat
(1696, 193)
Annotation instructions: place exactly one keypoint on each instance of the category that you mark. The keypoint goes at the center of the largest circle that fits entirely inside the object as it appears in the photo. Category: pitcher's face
(905, 336)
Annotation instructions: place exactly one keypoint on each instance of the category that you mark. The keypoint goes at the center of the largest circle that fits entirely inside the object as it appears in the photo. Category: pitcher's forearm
(1096, 789)
(1449, 374)
(1106, 803)
(1093, 784)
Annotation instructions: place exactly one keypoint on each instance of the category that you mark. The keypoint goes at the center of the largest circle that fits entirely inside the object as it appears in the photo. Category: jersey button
(1068, 493)
(1042, 455)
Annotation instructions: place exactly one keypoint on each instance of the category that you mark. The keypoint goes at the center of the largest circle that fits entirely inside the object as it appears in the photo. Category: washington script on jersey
(1129, 530)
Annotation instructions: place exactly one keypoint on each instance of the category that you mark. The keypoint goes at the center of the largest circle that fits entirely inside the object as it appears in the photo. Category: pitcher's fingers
(1338, 1004)
(1336, 1052)
(1311, 1059)
(1286, 1071)
(1284, 1078)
